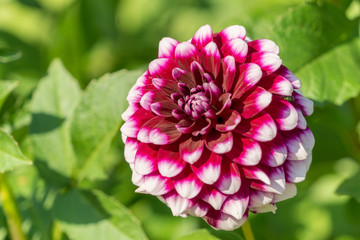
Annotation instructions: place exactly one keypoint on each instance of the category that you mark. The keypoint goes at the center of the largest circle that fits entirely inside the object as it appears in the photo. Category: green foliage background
(59, 140)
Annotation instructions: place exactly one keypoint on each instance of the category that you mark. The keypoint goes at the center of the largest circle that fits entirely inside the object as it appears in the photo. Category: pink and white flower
(215, 127)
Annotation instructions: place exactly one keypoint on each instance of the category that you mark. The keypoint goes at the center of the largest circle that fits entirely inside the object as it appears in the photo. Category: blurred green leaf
(94, 215)
(6, 88)
(205, 234)
(334, 76)
(10, 153)
(351, 187)
(9, 54)
(52, 106)
(97, 119)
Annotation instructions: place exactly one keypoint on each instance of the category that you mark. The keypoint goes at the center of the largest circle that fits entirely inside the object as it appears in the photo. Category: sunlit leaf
(93, 215)
(10, 153)
(52, 106)
(97, 119)
(9, 54)
(6, 88)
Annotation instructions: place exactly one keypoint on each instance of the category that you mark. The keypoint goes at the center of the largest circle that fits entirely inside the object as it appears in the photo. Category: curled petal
(255, 102)
(219, 143)
(277, 84)
(250, 74)
(232, 32)
(162, 68)
(229, 71)
(277, 182)
(202, 37)
(144, 132)
(283, 71)
(306, 105)
(253, 172)
(237, 48)
(284, 114)
(269, 62)
(151, 97)
(183, 76)
(210, 58)
(132, 126)
(229, 120)
(164, 132)
(167, 47)
(264, 45)
(185, 54)
(164, 108)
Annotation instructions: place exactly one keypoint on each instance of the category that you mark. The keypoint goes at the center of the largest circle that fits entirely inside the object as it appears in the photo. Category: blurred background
(94, 37)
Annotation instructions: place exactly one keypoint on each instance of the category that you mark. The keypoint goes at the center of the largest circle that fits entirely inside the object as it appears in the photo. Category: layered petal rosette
(215, 127)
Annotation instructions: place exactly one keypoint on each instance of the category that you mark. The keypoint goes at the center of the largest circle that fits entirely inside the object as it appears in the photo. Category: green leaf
(97, 119)
(9, 54)
(6, 88)
(52, 107)
(94, 215)
(10, 153)
(351, 187)
(205, 234)
(334, 76)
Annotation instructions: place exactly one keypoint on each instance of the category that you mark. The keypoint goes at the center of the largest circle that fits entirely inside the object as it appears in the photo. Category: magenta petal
(245, 151)
(164, 132)
(236, 205)
(167, 86)
(170, 162)
(133, 107)
(274, 152)
(187, 184)
(157, 185)
(260, 198)
(269, 62)
(219, 143)
(167, 47)
(299, 144)
(210, 58)
(295, 171)
(277, 84)
(191, 149)
(162, 68)
(229, 120)
(302, 124)
(236, 48)
(277, 182)
(283, 71)
(253, 172)
(185, 126)
(164, 108)
(255, 102)
(212, 197)
(132, 126)
(183, 76)
(229, 181)
(229, 71)
(202, 37)
(208, 167)
(131, 147)
(185, 54)
(198, 209)
(224, 103)
(264, 45)
(232, 32)
(262, 128)
(284, 114)
(224, 221)
(144, 132)
(176, 203)
(250, 74)
(152, 96)
(306, 105)
(145, 159)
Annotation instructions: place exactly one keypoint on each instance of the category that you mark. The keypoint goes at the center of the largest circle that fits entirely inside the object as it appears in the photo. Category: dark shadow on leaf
(52, 177)
(43, 122)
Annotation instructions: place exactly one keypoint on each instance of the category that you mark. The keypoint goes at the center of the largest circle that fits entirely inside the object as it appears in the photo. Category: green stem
(11, 210)
(56, 233)
(247, 231)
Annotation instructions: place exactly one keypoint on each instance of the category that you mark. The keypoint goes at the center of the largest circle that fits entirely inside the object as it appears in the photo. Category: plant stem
(11, 210)
(247, 231)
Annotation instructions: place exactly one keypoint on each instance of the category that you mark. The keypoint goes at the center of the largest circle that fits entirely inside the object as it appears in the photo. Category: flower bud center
(197, 103)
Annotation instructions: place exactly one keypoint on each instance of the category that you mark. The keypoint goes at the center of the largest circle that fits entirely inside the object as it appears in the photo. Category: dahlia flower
(215, 127)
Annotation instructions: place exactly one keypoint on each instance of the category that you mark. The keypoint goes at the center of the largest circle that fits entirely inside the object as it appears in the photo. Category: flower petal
(169, 161)
(212, 197)
(262, 128)
(256, 101)
(228, 121)
(183, 76)
(132, 126)
(144, 132)
(250, 74)
(277, 182)
(130, 149)
(260, 198)
(295, 171)
(306, 105)
(191, 149)
(245, 151)
(254, 172)
(296, 147)
(290, 191)
(237, 48)
(164, 108)
(219, 143)
(208, 167)
(156, 184)
(277, 84)
(176, 203)
(151, 97)
(202, 37)
(164, 132)
(224, 221)
(145, 159)
(269, 62)
(162, 68)
(199, 209)
(274, 153)
(264, 45)
(283, 71)
(187, 184)
(210, 58)
(229, 71)
(236, 205)
(232, 32)
(167, 47)
(185, 54)
(229, 181)
(284, 114)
